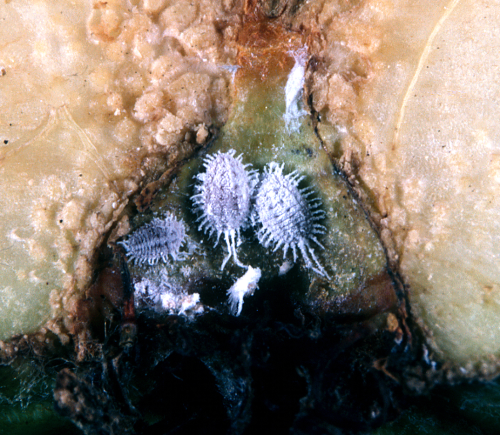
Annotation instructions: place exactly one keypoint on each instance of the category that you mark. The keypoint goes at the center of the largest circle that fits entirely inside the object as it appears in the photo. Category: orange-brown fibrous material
(265, 47)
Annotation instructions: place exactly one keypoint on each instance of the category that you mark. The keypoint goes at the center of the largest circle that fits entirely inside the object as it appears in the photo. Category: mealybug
(288, 218)
(156, 240)
(223, 198)
(243, 286)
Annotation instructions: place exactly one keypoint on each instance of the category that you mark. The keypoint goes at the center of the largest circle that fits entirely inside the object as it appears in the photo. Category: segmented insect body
(288, 218)
(157, 240)
(223, 198)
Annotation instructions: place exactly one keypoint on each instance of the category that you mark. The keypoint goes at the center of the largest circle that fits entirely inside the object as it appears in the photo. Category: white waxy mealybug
(288, 218)
(223, 198)
(157, 240)
(244, 286)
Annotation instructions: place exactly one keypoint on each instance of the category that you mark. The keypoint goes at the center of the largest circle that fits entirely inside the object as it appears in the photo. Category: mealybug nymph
(223, 198)
(288, 218)
(156, 240)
